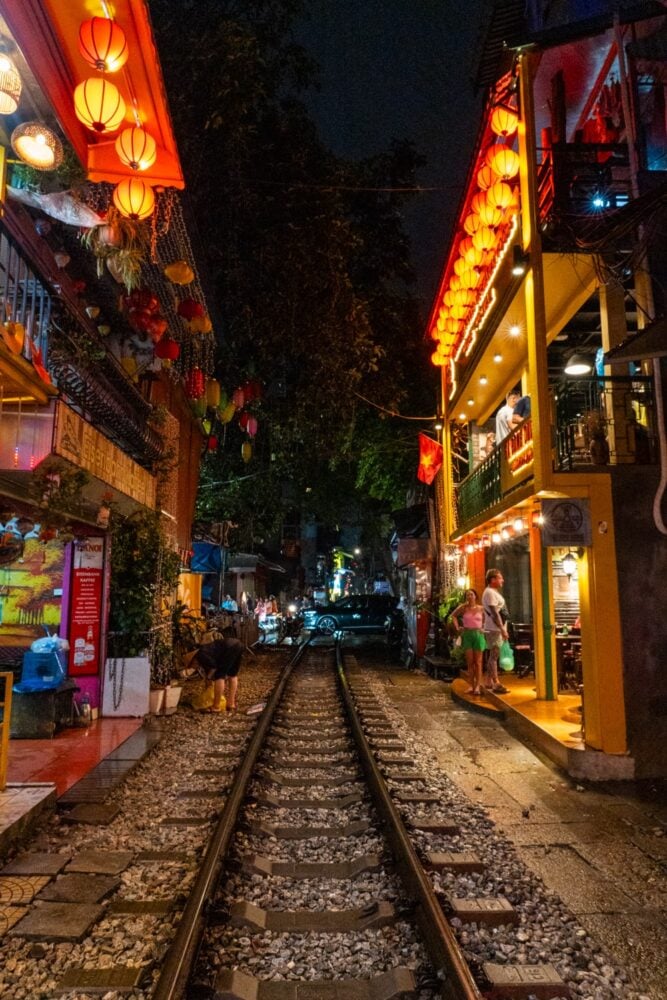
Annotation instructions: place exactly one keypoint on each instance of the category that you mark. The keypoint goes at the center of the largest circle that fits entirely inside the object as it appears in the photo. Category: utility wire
(391, 413)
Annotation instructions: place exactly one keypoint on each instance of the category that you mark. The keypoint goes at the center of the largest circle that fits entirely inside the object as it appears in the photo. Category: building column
(614, 329)
(544, 649)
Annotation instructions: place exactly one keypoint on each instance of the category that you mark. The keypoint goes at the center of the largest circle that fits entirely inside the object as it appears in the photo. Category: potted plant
(119, 244)
(144, 574)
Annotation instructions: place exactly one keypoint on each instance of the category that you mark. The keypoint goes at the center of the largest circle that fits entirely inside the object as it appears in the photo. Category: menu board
(86, 607)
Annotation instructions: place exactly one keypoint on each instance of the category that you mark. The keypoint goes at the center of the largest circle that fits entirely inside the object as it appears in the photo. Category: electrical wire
(392, 413)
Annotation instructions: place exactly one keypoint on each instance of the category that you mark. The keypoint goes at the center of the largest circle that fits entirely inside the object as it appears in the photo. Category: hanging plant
(119, 244)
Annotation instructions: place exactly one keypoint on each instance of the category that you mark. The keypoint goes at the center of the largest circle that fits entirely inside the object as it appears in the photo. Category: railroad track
(309, 853)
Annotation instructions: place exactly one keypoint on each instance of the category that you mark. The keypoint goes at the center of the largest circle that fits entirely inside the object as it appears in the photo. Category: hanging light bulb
(569, 564)
(37, 146)
(496, 538)
(505, 533)
(10, 86)
(136, 148)
(519, 525)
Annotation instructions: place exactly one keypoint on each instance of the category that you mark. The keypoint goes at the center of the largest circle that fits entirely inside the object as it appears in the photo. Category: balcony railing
(596, 422)
(606, 420)
(23, 297)
(582, 179)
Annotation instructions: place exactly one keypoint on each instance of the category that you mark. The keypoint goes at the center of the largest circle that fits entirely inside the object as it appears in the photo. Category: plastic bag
(202, 698)
(506, 657)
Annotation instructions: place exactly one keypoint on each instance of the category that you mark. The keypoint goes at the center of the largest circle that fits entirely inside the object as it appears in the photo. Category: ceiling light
(37, 145)
(569, 564)
(519, 525)
(505, 533)
(471, 402)
(515, 330)
(578, 365)
(483, 380)
(519, 261)
(495, 538)
(462, 416)
(10, 86)
(497, 358)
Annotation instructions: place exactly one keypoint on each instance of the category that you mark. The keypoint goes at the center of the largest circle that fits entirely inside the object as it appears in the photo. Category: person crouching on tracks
(221, 661)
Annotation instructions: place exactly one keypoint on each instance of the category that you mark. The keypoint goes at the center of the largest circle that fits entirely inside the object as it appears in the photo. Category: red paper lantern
(238, 398)
(188, 309)
(244, 417)
(103, 45)
(195, 383)
(212, 443)
(167, 349)
(251, 426)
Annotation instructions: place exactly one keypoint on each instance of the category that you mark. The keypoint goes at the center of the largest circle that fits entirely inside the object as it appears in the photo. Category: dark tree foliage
(311, 273)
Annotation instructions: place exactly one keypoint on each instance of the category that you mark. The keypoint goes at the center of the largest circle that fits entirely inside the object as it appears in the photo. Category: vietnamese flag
(430, 459)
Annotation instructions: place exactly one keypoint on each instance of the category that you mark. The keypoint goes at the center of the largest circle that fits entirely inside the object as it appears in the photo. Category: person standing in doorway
(504, 416)
(495, 627)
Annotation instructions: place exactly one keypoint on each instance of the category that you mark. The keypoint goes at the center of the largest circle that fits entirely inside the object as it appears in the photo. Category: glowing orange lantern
(464, 297)
(102, 44)
(134, 198)
(453, 325)
(464, 245)
(478, 203)
(449, 298)
(455, 282)
(434, 333)
(474, 258)
(504, 121)
(136, 148)
(99, 105)
(503, 161)
(471, 223)
(438, 359)
(470, 279)
(460, 266)
(490, 215)
(485, 239)
(485, 177)
(459, 312)
(500, 195)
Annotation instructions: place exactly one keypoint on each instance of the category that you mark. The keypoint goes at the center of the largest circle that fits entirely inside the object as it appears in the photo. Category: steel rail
(180, 958)
(456, 980)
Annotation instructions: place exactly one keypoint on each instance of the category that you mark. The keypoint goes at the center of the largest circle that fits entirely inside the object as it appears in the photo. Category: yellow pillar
(614, 329)
(544, 643)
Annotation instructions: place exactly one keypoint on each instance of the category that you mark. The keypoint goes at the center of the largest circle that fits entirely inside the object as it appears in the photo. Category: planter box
(127, 682)
(156, 701)
(172, 696)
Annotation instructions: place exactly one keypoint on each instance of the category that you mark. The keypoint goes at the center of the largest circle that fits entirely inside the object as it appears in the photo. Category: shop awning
(651, 342)
(245, 562)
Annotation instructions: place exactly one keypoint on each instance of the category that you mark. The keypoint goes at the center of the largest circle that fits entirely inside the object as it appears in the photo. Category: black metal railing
(607, 420)
(582, 178)
(480, 490)
(23, 297)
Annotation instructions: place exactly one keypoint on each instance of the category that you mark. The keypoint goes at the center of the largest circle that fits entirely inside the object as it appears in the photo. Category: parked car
(370, 613)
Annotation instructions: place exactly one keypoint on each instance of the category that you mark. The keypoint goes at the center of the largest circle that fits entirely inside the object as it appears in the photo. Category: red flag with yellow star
(430, 459)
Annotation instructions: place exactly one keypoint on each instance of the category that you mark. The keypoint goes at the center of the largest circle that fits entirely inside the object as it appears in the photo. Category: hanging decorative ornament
(223, 401)
(485, 177)
(180, 272)
(136, 148)
(471, 223)
(244, 416)
(251, 426)
(238, 398)
(37, 145)
(167, 349)
(227, 413)
(504, 121)
(195, 383)
(200, 324)
(156, 328)
(189, 309)
(485, 239)
(92, 311)
(477, 202)
(99, 105)
(213, 393)
(503, 161)
(61, 258)
(490, 215)
(212, 443)
(199, 407)
(103, 45)
(134, 198)
(10, 86)
(246, 451)
(104, 329)
(206, 425)
(438, 359)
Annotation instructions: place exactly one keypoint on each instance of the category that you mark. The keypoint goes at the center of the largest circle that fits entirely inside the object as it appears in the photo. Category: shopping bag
(506, 657)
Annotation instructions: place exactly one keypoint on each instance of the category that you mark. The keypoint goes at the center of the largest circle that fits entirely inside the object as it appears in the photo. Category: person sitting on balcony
(521, 411)
(504, 416)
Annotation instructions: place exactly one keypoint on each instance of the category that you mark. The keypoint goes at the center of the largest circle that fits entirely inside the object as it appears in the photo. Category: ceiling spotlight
(519, 261)
(462, 416)
(578, 365)
(515, 330)
(495, 538)
(483, 380)
(497, 358)
(471, 402)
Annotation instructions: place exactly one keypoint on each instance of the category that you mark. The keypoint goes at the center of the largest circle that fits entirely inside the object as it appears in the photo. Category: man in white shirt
(495, 631)
(504, 416)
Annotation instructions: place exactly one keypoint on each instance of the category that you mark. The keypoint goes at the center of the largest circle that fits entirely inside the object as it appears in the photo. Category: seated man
(521, 411)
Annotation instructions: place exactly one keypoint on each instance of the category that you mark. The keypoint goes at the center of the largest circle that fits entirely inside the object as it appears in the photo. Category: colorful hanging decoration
(167, 349)
(103, 44)
(180, 272)
(199, 407)
(195, 384)
(134, 198)
(213, 393)
(227, 413)
(246, 451)
(212, 443)
(136, 148)
(189, 309)
(251, 426)
(98, 105)
(238, 398)
(244, 416)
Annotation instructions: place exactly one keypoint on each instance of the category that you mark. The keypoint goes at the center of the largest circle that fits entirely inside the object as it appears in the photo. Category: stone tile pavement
(602, 848)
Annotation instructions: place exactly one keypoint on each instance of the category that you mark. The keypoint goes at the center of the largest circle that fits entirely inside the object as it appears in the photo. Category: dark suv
(371, 613)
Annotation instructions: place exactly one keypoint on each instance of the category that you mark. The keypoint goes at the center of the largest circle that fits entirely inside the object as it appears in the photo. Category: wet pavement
(601, 848)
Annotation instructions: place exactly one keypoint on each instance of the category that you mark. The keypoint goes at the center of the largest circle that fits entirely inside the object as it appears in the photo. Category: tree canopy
(310, 269)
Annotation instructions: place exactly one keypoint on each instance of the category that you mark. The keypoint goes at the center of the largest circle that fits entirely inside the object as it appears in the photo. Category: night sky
(402, 69)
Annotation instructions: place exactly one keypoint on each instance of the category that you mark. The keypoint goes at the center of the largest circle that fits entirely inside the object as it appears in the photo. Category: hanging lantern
(449, 299)
(134, 198)
(504, 121)
(227, 413)
(212, 443)
(167, 349)
(200, 324)
(459, 312)
(500, 196)
(464, 245)
(478, 203)
(103, 45)
(199, 407)
(463, 297)
(440, 323)
(223, 401)
(238, 398)
(455, 282)
(156, 328)
(503, 161)
(206, 426)
(99, 105)
(136, 148)
(10, 86)
(244, 416)
(485, 177)
(37, 145)
(475, 258)
(470, 279)
(485, 239)
(490, 215)
(251, 426)
(246, 451)
(453, 326)
(179, 272)
(471, 223)
(460, 266)
(213, 393)
(438, 359)
(194, 383)
(189, 308)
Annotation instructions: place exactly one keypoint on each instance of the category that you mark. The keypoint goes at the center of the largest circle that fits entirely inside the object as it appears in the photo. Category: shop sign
(516, 459)
(566, 522)
(79, 442)
(86, 606)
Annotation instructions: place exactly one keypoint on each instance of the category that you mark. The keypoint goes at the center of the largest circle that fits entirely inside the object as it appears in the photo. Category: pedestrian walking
(495, 627)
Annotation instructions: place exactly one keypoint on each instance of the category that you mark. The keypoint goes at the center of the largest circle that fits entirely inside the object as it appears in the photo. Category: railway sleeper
(373, 916)
(397, 984)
